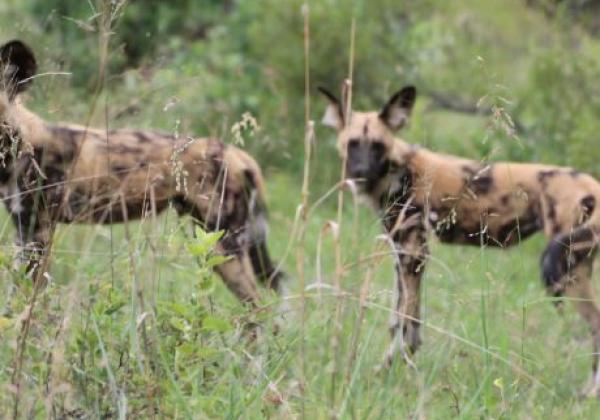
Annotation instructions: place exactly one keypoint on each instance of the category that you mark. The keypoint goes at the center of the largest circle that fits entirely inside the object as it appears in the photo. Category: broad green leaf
(216, 260)
(114, 307)
(212, 323)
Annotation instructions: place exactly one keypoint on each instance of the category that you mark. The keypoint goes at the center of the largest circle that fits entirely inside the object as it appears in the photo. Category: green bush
(140, 30)
(199, 66)
(563, 104)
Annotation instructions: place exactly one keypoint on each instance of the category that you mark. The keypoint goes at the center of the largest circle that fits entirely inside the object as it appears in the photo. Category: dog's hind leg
(581, 292)
(238, 276)
(266, 271)
(257, 230)
(567, 266)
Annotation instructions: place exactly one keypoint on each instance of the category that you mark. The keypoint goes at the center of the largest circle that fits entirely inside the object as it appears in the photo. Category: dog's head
(17, 68)
(366, 139)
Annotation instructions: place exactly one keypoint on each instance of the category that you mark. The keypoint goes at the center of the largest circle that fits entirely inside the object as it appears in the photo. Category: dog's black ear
(334, 115)
(397, 111)
(17, 67)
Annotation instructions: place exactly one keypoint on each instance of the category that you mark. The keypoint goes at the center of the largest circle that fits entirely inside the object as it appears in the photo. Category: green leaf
(212, 323)
(216, 260)
(212, 238)
(199, 232)
(180, 309)
(187, 349)
(114, 307)
(197, 249)
(206, 285)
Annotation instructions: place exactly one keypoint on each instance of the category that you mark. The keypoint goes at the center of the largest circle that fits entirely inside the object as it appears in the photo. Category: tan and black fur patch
(462, 201)
(74, 174)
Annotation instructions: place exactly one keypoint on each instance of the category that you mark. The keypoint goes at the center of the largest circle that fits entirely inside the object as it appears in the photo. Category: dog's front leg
(405, 321)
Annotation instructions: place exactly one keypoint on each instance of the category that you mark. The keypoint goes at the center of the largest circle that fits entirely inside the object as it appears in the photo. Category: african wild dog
(465, 202)
(73, 174)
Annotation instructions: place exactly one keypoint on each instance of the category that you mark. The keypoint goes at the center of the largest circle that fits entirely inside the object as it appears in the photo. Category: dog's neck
(17, 126)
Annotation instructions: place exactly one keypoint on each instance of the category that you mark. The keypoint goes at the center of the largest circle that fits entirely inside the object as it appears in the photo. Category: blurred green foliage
(140, 29)
(205, 63)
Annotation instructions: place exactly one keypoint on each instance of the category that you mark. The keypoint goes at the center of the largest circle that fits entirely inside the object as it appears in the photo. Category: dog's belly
(487, 229)
(109, 210)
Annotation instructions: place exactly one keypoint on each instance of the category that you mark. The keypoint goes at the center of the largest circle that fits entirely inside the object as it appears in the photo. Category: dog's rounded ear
(17, 67)
(334, 115)
(396, 112)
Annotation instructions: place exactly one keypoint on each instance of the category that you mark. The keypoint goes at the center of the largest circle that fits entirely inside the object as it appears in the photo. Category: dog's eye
(378, 149)
(353, 144)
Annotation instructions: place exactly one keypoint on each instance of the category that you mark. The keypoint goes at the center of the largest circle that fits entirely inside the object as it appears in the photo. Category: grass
(493, 344)
(131, 325)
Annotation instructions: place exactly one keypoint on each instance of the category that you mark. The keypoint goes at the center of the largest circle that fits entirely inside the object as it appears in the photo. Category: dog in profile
(465, 202)
(65, 173)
